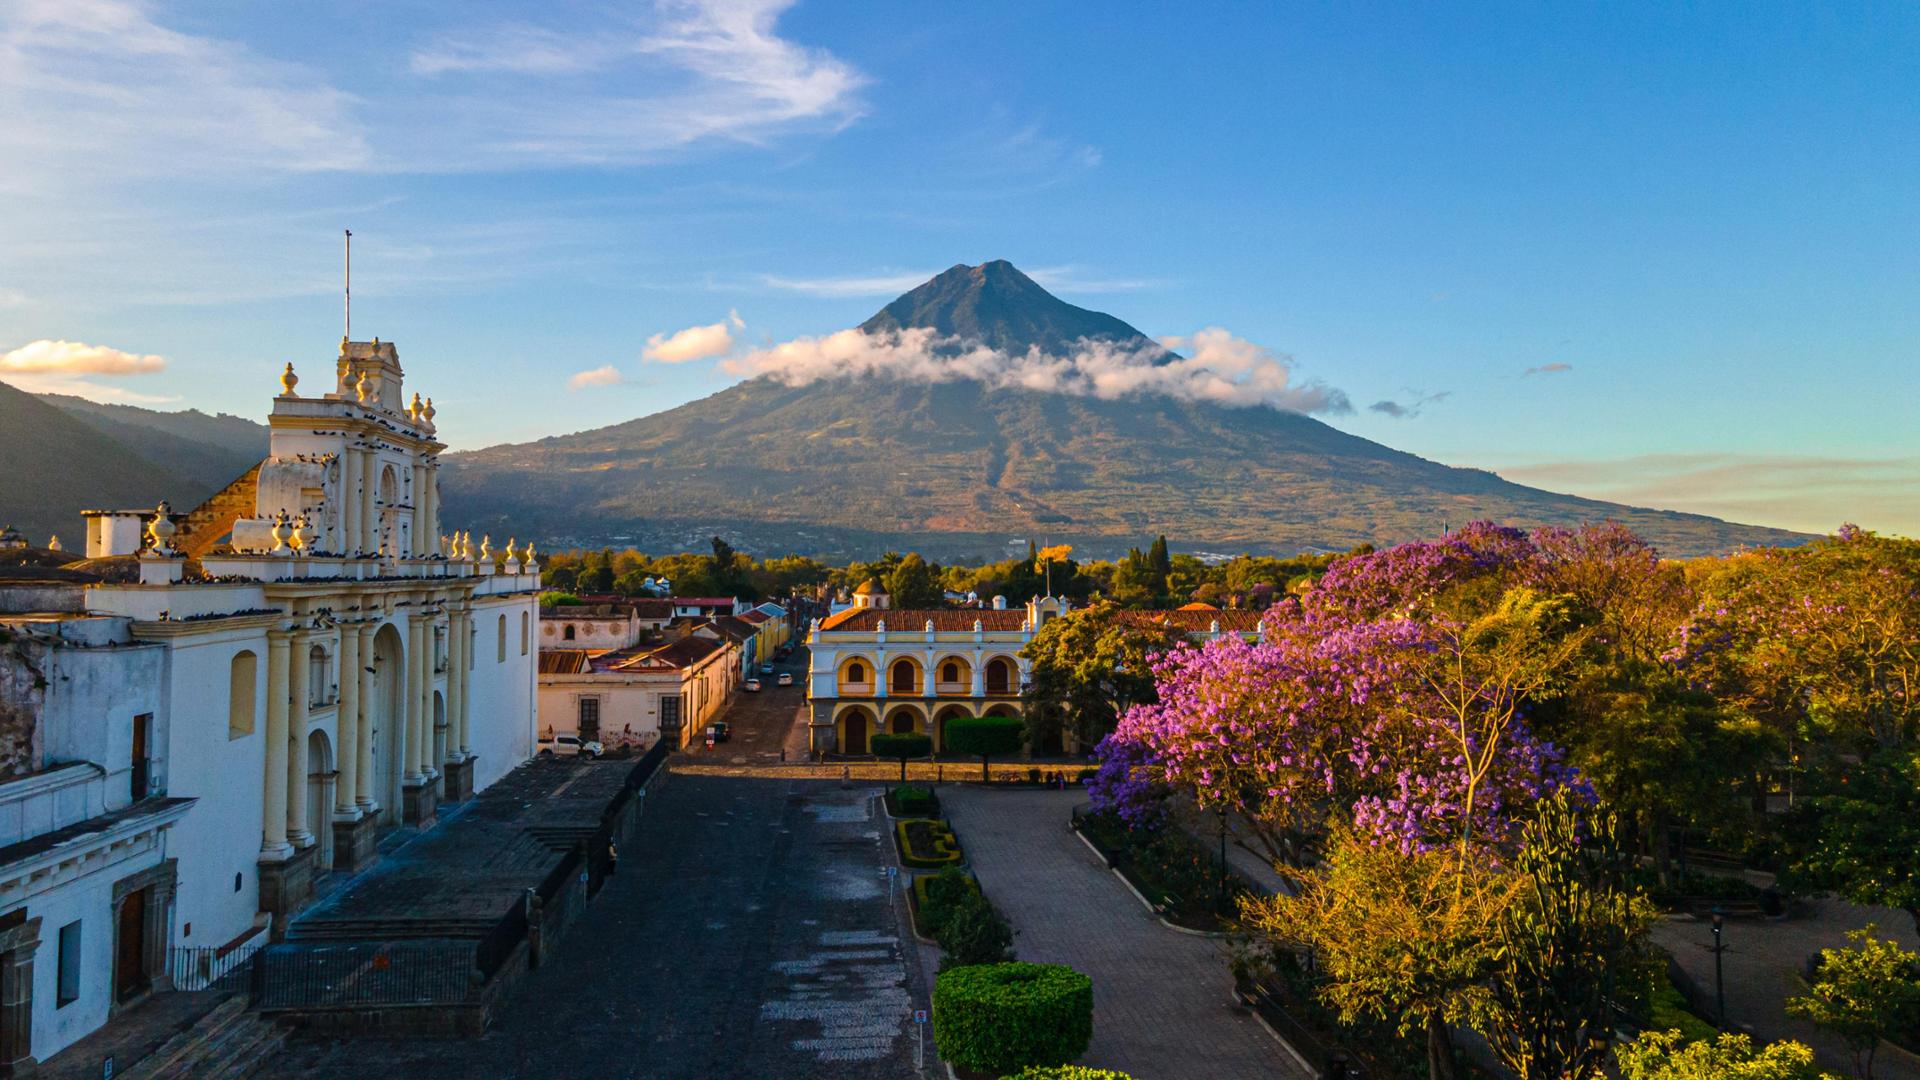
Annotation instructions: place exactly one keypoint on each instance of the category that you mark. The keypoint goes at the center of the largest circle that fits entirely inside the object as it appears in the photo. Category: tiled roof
(563, 661)
(704, 601)
(648, 607)
(914, 620)
(1190, 621)
(755, 617)
(733, 626)
(683, 653)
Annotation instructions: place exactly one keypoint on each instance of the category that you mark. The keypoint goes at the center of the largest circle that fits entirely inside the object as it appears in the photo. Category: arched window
(319, 677)
(240, 693)
(999, 676)
(902, 681)
(856, 672)
(568, 632)
(501, 634)
(950, 672)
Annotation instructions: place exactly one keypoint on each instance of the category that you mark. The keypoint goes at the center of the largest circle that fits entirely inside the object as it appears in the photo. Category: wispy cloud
(1221, 368)
(1547, 369)
(1813, 494)
(95, 91)
(1410, 409)
(604, 375)
(1073, 279)
(887, 283)
(693, 343)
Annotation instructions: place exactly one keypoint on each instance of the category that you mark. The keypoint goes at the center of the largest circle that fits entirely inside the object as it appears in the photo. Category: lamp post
(1719, 975)
(1223, 859)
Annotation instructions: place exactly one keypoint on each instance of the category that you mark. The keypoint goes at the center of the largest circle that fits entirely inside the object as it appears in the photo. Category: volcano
(852, 465)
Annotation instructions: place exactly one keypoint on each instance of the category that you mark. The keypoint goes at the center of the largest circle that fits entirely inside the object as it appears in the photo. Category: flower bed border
(915, 861)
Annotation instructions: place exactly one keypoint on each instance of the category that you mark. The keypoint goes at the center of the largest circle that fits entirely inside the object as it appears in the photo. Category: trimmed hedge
(1001, 1018)
(1067, 1072)
(902, 746)
(936, 895)
(909, 800)
(927, 844)
(987, 736)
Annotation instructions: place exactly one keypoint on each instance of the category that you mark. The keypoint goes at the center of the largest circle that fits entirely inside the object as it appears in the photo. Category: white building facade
(271, 681)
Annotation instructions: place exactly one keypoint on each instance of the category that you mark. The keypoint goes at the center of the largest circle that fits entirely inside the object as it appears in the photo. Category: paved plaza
(1161, 999)
(749, 934)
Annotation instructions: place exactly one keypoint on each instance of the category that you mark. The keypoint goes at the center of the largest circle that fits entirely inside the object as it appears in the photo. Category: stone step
(243, 1052)
(188, 1042)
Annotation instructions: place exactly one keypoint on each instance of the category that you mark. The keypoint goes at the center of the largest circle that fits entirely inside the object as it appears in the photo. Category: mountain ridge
(959, 468)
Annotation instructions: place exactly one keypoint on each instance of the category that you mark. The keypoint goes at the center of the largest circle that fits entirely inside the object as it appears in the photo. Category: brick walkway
(1161, 999)
(1763, 962)
(747, 934)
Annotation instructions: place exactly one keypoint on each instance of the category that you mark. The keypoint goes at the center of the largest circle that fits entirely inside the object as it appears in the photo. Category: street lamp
(1223, 859)
(1719, 975)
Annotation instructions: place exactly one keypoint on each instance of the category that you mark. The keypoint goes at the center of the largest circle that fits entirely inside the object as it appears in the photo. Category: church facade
(260, 687)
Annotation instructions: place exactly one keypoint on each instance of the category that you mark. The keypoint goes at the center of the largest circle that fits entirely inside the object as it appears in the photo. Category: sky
(1641, 253)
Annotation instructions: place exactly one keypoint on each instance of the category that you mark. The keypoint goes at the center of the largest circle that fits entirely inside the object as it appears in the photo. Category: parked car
(570, 746)
(786, 678)
(766, 669)
(753, 686)
(719, 731)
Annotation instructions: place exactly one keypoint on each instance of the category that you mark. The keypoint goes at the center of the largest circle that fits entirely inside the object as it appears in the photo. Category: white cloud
(74, 358)
(1069, 279)
(629, 87)
(12, 298)
(842, 287)
(604, 375)
(693, 343)
(1222, 369)
(99, 90)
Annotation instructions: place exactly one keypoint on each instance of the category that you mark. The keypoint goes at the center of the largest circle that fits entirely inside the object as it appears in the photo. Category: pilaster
(300, 672)
(273, 815)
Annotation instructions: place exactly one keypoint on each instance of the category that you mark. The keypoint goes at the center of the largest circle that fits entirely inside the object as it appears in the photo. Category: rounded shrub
(1001, 1018)
(987, 736)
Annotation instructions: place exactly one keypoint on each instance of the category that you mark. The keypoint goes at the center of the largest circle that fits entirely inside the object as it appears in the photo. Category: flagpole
(347, 334)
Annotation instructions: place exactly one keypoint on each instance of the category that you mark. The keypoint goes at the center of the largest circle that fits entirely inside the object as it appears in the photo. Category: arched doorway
(903, 721)
(900, 677)
(438, 761)
(320, 780)
(854, 725)
(388, 720)
(940, 722)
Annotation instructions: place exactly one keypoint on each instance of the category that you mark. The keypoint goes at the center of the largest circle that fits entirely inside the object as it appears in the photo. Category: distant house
(706, 607)
(637, 695)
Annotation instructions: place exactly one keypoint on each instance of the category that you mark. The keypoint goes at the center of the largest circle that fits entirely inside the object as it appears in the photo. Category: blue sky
(1695, 227)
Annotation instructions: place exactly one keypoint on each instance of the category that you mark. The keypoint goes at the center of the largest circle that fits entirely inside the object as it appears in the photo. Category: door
(142, 735)
(856, 733)
(130, 947)
(589, 725)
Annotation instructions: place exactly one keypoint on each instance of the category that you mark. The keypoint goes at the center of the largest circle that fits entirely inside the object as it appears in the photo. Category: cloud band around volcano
(1216, 367)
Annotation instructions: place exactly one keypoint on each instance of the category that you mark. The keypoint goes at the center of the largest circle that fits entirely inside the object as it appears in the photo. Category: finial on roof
(279, 533)
(427, 413)
(161, 529)
(53, 544)
(413, 410)
(288, 380)
(300, 539)
(486, 548)
(360, 388)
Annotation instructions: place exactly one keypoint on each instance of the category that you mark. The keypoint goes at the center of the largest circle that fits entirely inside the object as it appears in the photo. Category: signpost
(920, 1038)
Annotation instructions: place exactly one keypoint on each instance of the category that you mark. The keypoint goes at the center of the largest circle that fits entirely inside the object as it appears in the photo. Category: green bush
(1067, 1072)
(937, 895)
(972, 932)
(987, 736)
(559, 599)
(1668, 1011)
(901, 746)
(912, 801)
(1002, 1018)
(927, 844)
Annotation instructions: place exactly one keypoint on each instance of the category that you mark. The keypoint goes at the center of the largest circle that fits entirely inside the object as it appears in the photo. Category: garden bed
(912, 801)
(1169, 869)
(927, 844)
(917, 899)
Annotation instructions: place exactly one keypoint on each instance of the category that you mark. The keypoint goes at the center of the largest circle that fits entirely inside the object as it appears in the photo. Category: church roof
(870, 587)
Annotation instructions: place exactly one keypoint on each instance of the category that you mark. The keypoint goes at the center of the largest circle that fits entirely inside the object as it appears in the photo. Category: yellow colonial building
(877, 669)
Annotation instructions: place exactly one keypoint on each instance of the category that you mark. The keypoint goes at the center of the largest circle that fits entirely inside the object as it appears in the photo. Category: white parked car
(570, 746)
(753, 686)
(786, 678)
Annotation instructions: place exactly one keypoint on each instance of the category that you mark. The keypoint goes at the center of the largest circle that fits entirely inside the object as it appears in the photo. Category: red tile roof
(914, 620)
(563, 662)
(684, 653)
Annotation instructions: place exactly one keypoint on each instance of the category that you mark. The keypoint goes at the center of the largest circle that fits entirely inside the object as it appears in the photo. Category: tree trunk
(1439, 1049)
(903, 772)
(984, 778)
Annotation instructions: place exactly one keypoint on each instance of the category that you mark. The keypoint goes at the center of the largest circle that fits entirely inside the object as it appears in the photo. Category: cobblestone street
(750, 934)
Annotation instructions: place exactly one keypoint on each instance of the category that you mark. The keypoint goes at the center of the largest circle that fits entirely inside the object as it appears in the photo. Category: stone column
(929, 676)
(466, 680)
(417, 547)
(273, 816)
(369, 517)
(432, 493)
(456, 681)
(296, 805)
(410, 753)
(979, 688)
(346, 752)
(349, 501)
(363, 738)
